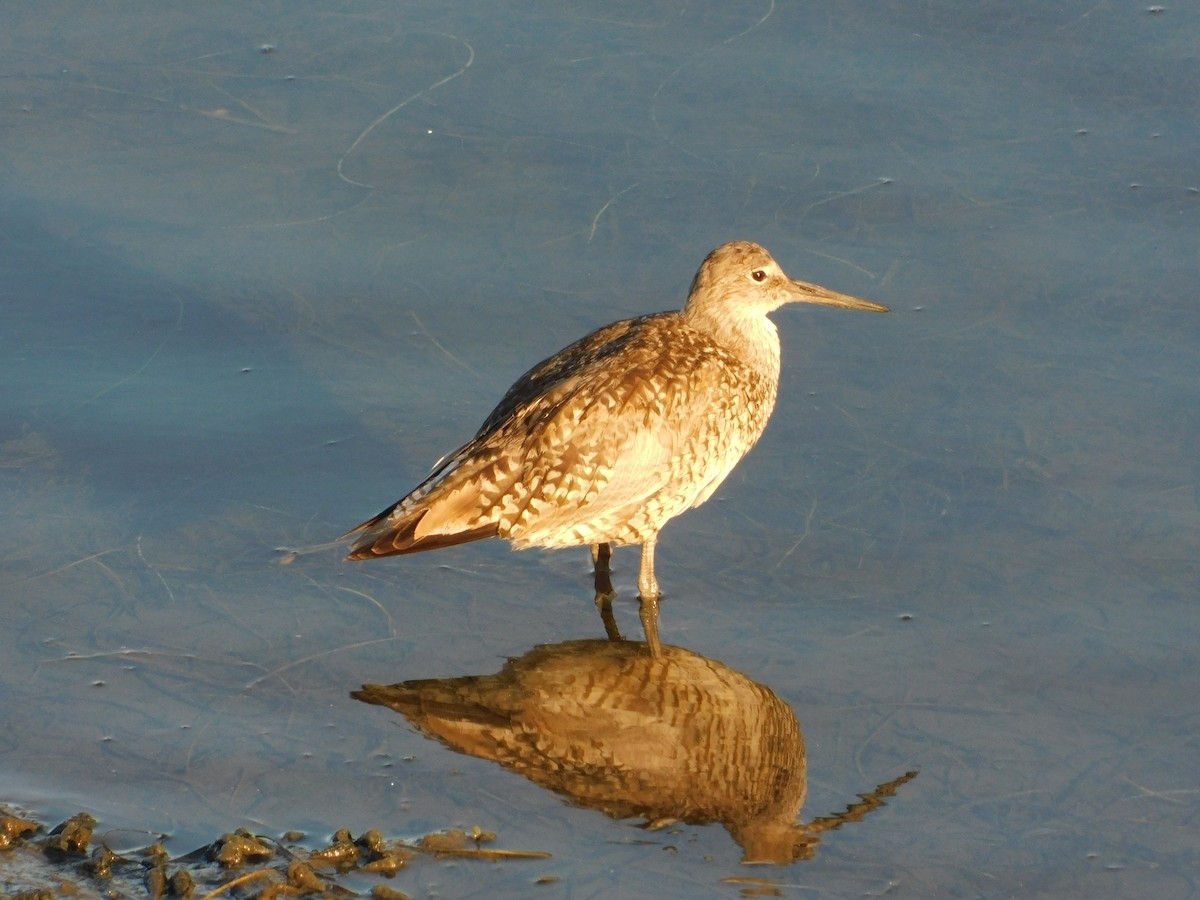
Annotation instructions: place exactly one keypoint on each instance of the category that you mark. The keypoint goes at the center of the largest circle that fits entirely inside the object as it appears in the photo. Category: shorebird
(609, 439)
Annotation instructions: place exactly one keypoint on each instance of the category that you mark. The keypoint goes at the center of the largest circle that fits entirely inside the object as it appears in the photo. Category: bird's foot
(649, 615)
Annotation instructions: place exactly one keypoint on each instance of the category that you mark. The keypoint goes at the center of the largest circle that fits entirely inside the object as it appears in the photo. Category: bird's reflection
(676, 737)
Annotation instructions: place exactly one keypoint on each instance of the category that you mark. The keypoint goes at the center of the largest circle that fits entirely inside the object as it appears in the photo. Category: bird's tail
(448, 508)
(384, 536)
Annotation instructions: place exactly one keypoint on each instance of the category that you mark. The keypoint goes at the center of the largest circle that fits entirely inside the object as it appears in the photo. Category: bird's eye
(758, 275)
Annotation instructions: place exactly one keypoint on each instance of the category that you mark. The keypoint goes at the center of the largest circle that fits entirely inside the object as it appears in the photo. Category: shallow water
(261, 266)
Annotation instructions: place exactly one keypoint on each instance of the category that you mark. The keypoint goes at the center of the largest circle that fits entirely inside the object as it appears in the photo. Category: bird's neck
(751, 337)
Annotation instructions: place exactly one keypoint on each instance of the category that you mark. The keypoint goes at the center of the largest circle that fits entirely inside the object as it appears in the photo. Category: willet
(606, 441)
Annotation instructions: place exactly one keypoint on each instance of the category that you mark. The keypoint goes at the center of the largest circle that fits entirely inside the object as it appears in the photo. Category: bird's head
(741, 277)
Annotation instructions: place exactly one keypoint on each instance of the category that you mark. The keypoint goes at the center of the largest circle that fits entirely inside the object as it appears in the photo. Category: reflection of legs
(601, 554)
(648, 592)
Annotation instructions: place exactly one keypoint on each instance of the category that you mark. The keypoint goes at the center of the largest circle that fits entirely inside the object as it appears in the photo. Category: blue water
(261, 265)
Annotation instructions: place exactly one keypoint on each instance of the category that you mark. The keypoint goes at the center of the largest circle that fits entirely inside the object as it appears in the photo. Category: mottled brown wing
(604, 442)
(534, 395)
(568, 362)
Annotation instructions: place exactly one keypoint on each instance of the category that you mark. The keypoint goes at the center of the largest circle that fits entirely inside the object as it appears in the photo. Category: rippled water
(262, 265)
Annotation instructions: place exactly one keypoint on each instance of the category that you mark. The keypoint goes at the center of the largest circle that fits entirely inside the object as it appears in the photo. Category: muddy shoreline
(72, 859)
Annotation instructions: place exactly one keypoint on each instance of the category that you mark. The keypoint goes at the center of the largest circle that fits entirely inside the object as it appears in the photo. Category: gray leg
(649, 594)
(647, 583)
(601, 554)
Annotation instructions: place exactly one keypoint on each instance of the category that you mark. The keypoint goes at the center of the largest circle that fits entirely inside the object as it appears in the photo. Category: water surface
(262, 265)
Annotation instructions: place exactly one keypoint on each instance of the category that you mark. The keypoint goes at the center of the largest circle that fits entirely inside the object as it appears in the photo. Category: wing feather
(602, 442)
